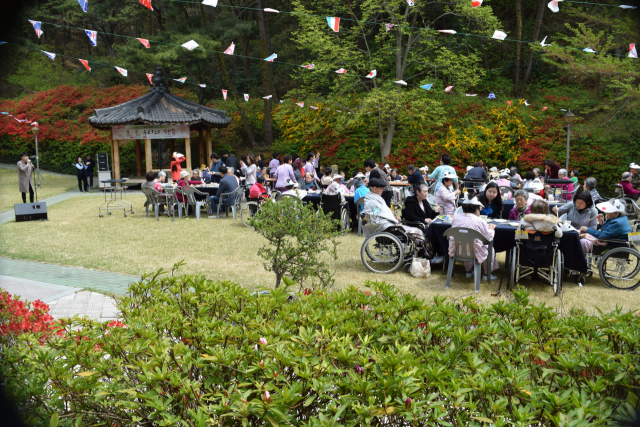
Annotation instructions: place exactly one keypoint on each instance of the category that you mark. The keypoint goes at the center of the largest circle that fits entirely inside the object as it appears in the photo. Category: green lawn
(50, 186)
(226, 249)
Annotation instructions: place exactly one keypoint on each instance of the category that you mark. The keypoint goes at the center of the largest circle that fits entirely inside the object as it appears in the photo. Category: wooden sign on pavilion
(158, 115)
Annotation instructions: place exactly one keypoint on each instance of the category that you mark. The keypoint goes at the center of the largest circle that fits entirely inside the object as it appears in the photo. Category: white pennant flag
(633, 53)
(401, 82)
(553, 5)
(543, 44)
(202, 85)
(499, 35)
(190, 45)
(372, 74)
(122, 71)
(246, 97)
(300, 104)
(267, 97)
(213, 3)
(230, 49)
(224, 94)
(49, 54)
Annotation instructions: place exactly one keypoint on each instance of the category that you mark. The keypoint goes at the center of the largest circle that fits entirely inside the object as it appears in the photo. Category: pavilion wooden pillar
(138, 160)
(116, 159)
(147, 155)
(201, 146)
(209, 145)
(172, 145)
(187, 154)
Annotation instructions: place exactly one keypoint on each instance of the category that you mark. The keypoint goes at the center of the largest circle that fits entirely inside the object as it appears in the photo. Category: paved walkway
(13, 166)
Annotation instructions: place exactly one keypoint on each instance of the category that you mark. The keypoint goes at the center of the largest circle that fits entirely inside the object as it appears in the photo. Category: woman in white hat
(336, 187)
(627, 188)
(504, 180)
(470, 218)
(291, 188)
(616, 225)
(635, 176)
(446, 196)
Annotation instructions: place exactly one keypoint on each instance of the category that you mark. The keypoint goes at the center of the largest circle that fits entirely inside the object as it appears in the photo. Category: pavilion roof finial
(158, 78)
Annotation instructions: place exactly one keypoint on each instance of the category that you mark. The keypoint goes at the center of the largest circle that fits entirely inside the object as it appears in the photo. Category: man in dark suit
(232, 162)
(90, 164)
(228, 184)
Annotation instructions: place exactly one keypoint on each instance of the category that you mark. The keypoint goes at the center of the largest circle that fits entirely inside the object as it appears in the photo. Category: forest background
(356, 117)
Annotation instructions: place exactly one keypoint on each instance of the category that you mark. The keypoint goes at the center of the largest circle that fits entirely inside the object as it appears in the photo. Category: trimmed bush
(190, 351)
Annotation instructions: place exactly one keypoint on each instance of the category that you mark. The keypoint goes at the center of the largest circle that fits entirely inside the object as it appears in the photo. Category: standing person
(232, 161)
(315, 163)
(551, 169)
(415, 177)
(214, 170)
(444, 167)
(82, 174)
(309, 166)
(25, 184)
(370, 165)
(273, 164)
(175, 166)
(476, 172)
(249, 170)
(299, 172)
(283, 172)
(260, 161)
(90, 164)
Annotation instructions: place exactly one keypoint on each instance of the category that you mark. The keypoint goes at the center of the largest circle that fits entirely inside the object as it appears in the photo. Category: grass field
(226, 249)
(50, 186)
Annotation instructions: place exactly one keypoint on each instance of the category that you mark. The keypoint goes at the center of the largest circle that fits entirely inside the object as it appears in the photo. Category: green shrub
(194, 352)
(298, 237)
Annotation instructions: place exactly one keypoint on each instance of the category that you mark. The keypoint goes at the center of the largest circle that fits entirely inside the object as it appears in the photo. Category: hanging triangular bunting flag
(471, 94)
(491, 96)
(624, 6)
(339, 111)
(476, 3)
(388, 27)
(281, 101)
(633, 53)
(49, 54)
(448, 31)
(553, 5)
(526, 103)
(144, 42)
(311, 106)
(401, 82)
(411, 3)
(246, 97)
(190, 45)
(181, 80)
(202, 85)
(372, 74)
(150, 76)
(427, 87)
(93, 36)
(267, 97)
(562, 109)
(230, 49)
(213, 3)
(341, 71)
(122, 71)
(267, 9)
(224, 94)
(2, 112)
(83, 4)
(85, 63)
(543, 44)
(509, 102)
(300, 104)
(37, 26)
(499, 35)
(544, 108)
(146, 3)
(448, 88)
(270, 58)
(1, 42)
(588, 50)
(309, 66)
(334, 23)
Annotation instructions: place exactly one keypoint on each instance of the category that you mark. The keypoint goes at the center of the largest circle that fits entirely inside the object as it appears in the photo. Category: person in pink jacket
(627, 188)
(446, 196)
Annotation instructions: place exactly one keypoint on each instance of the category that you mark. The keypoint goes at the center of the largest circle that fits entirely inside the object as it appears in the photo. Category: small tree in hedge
(298, 239)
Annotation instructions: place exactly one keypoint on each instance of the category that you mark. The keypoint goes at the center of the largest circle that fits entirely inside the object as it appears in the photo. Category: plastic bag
(420, 267)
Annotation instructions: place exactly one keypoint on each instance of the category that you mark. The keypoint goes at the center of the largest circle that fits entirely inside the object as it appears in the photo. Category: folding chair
(188, 194)
(463, 239)
(152, 199)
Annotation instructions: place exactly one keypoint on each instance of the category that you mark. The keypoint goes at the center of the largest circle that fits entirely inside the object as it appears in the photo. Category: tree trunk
(234, 94)
(484, 55)
(534, 38)
(516, 84)
(385, 149)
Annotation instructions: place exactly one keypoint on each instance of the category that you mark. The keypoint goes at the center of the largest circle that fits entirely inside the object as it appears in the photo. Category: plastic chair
(152, 199)
(172, 201)
(235, 196)
(508, 191)
(457, 211)
(188, 194)
(462, 238)
(359, 202)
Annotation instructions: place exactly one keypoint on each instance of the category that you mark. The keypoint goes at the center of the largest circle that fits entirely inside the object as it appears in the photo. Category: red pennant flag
(509, 102)
(146, 3)
(144, 42)
(86, 64)
(150, 76)
(544, 108)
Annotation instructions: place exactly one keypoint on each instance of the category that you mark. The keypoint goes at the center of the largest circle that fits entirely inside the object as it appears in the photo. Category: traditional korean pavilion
(162, 116)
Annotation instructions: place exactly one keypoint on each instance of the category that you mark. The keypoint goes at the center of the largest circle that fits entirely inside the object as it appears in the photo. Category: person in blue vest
(439, 172)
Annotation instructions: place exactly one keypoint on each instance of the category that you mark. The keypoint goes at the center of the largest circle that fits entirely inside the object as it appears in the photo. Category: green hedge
(195, 352)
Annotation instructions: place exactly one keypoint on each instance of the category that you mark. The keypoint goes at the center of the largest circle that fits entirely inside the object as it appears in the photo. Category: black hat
(377, 182)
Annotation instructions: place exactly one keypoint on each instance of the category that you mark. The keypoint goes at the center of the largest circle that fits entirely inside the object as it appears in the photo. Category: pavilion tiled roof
(158, 107)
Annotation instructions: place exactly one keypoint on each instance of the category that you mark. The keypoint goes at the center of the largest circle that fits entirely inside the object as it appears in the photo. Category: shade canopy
(159, 107)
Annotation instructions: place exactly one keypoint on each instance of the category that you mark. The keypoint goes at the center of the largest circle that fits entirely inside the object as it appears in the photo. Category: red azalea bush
(18, 317)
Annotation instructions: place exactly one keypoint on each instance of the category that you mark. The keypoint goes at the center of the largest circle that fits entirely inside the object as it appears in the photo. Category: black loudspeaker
(103, 162)
(30, 211)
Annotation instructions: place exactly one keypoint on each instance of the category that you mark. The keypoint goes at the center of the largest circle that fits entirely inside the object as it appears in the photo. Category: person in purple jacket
(282, 172)
(521, 208)
(273, 164)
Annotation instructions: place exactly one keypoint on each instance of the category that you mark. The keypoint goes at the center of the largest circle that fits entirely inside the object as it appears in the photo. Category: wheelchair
(617, 263)
(251, 208)
(386, 250)
(330, 205)
(538, 256)
(633, 211)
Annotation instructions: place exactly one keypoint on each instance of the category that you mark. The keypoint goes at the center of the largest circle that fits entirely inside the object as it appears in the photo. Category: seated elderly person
(590, 186)
(258, 190)
(580, 214)
(414, 176)
(522, 207)
(417, 208)
(565, 188)
(228, 184)
(360, 189)
(336, 188)
(291, 189)
(470, 218)
(446, 195)
(159, 182)
(310, 183)
(540, 220)
(635, 176)
(616, 226)
(475, 172)
(533, 184)
(627, 188)
(504, 180)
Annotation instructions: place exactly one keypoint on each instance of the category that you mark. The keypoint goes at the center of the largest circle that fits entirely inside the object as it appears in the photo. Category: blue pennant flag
(2, 42)
(281, 101)
(427, 87)
(83, 4)
(93, 36)
(49, 54)
(4, 113)
(491, 96)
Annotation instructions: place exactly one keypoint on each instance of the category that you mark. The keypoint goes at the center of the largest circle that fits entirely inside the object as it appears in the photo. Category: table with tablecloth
(505, 240)
(211, 191)
(314, 199)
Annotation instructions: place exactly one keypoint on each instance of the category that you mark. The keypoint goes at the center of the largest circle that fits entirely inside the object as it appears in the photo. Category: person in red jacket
(258, 190)
(175, 166)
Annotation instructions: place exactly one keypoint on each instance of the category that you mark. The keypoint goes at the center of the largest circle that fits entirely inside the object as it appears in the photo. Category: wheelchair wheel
(512, 268)
(247, 212)
(556, 276)
(345, 221)
(382, 253)
(619, 268)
